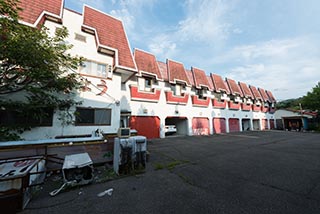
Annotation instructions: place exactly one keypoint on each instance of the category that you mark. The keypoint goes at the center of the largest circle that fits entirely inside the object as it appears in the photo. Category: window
(148, 84)
(200, 93)
(80, 37)
(93, 116)
(96, 69)
(43, 117)
(102, 70)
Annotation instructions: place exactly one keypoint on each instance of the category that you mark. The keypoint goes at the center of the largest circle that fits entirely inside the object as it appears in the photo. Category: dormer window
(146, 83)
(201, 93)
(178, 89)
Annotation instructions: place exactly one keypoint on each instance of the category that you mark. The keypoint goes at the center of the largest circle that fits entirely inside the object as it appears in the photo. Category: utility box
(78, 168)
(129, 153)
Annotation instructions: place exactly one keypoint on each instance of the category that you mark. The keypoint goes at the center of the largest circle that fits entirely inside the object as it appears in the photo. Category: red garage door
(200, 126)
(264, 124)
(147, 126)
(234, 125)
(271, 123)
(219, 125)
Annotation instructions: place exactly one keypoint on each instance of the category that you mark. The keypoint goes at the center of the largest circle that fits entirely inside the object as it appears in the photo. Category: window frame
(94, 115)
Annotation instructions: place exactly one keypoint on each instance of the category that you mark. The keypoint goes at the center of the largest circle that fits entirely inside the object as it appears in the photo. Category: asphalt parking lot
(250, 172)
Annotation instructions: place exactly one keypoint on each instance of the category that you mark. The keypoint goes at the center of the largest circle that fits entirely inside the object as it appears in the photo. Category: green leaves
(34, 65)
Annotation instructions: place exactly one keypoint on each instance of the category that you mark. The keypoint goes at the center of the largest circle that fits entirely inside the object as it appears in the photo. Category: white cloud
(205, 21)
(162, 47)
(282, 66)
(125, 16)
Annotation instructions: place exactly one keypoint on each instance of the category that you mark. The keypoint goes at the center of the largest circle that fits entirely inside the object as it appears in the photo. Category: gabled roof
(147, 63)
(271, 97)
(176, 72)
(190, 77)
(255, 92)
(163, 70)
(264, 95)
(110, 35)
(234, 87)
(34, 10)
(211, 86)
(245, 90)
(200, 78)
(219, 84)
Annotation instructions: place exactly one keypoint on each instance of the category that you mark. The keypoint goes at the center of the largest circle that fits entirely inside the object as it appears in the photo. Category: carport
(264, 124)
(271, 122)
(219, 125)
(246, 125)
(181, 124)
(256, 124)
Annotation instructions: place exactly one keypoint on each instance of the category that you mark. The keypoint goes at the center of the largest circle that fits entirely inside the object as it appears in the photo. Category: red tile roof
(190, 77)
(176, 72)
(255, 92)
(200, 78)
(271, 97)
(219, 83)
(264, 95)
(163, 70)
(110, 34)
(211, 86)
(147, 62)
(33, 10)
(245, 90)
(234, 87)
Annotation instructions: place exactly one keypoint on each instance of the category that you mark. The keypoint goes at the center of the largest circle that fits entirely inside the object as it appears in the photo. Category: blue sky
(272, 44)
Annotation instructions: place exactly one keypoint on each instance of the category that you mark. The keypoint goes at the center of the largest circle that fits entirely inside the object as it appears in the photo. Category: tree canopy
(34, 65)
(312, 99)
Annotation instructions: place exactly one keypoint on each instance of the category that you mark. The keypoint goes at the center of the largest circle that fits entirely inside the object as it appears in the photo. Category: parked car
(170, 129)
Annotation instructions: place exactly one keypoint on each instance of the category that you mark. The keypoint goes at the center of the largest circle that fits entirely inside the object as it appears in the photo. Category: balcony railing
(264, 109)
(148, 96)
(234, 106)
(246, 107)
(196, 101)
(272, 110)
(219, 104)
(175, 99)
(256, 108)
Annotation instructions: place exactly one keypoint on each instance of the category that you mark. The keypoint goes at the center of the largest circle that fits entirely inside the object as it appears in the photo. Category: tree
(34, 67)
(312, 99)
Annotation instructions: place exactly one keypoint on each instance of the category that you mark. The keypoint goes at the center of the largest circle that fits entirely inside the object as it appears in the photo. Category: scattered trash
(106, 192)
(69, 183)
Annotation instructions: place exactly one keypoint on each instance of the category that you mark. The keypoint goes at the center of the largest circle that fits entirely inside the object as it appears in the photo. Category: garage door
(271, 123)
(147, 126)
(219, 125)
(234, 125)
(200, 126)
(264, 124)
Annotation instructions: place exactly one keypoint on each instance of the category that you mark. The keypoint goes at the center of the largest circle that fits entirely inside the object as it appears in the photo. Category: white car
(170, 129)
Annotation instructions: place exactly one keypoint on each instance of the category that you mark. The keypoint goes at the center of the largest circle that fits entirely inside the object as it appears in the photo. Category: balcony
(219, 104)
(272, 110)
(234, 106)
(256, 108)
(175, 99)
(148, 96)
(196, 101)
(265, 109)
(246, 107)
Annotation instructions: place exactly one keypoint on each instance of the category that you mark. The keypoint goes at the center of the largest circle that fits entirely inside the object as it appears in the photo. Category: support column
(227, 125)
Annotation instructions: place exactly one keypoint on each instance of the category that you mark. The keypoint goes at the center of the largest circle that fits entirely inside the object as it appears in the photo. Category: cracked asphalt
(248, 172)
